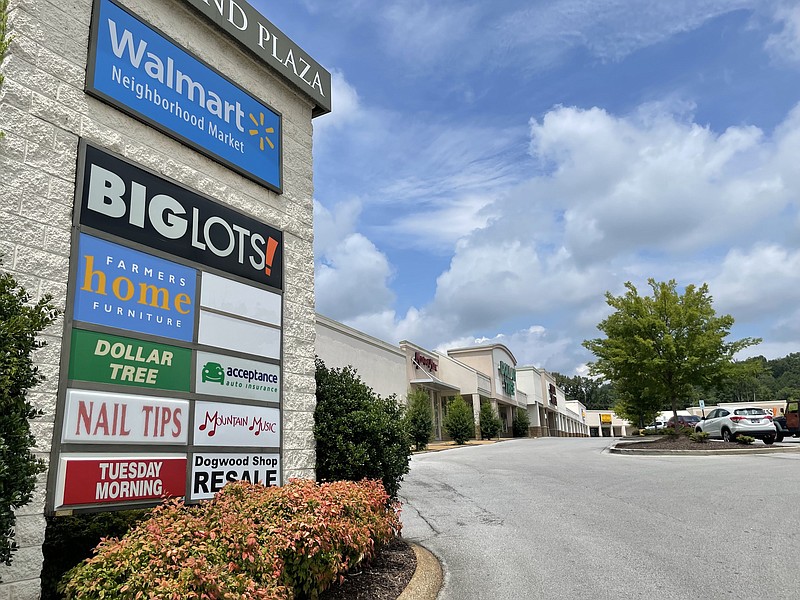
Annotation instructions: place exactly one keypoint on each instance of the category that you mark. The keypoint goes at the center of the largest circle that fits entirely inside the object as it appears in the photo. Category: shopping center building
(480, 375)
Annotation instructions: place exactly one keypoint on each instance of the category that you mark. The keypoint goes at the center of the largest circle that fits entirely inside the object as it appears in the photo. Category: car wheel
(769, 439)
(727, 436)
(779, 438)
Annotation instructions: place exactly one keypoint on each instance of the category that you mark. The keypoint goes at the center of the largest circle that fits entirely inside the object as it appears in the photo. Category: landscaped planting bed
(249, 542)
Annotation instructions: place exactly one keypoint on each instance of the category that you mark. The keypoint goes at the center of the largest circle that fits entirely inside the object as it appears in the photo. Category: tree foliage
(659, 350)
(419, 418)
(21, 321)
(521, 423)
(5, 40)
(359, 434)
(459, 422)
(489, 422)
(593, 393)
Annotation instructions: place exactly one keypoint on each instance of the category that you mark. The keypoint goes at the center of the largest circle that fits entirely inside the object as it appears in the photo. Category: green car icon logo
(213, 372)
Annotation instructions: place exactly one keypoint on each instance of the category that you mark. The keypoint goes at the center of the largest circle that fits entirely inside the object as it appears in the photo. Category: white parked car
(727, 423)
(657, 424)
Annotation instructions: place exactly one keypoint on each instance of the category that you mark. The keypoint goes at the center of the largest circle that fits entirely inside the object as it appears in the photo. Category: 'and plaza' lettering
(247, 25)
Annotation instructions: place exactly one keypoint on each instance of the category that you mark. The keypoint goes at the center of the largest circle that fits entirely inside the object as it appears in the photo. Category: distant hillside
(779, 380)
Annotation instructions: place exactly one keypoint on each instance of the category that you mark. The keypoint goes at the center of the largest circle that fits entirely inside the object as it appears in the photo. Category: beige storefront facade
(480, 375)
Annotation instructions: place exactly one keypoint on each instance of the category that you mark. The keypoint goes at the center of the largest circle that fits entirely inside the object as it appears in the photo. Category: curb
(427, 579)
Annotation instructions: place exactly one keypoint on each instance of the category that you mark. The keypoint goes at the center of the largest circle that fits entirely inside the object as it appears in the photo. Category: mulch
(384, 578)
(683, 443)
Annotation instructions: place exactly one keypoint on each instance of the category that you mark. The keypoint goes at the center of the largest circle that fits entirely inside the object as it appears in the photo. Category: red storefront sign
(120, 479)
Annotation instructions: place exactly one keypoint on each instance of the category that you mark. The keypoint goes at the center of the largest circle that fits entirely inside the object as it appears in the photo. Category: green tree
(521, 423)
(489, 422)
(5, 40)
(659, 349)
(21, 321)
(419, 418)
(459, 422)
(593, 393)
(359, 434)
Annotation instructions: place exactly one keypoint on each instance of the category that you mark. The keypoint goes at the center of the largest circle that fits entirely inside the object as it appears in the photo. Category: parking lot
(561, 518)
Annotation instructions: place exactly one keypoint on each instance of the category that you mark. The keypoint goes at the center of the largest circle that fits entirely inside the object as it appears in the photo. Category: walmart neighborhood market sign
(144, 74)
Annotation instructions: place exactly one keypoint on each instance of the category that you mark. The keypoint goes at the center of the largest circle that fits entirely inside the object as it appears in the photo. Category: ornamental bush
(359, 435)
(70, 540)
(489, 422)
(21, 321)
(249, 542)
(459, 422)
(521, 423)
(419, 418)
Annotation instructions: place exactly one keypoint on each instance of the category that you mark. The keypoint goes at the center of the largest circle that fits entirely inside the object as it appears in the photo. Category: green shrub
(699, 436)
(489, 422)
(459, 422)
(359, 435)
(21, 321)
(671, 433)
(745, 439)
(69, 540)
(419, 418)
(521, 423)
(249, 542)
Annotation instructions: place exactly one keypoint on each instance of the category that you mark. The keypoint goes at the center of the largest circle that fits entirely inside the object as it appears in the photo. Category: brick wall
(44, 111)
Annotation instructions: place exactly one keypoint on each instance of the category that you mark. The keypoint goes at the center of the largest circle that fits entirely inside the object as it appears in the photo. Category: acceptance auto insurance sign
(140, 71)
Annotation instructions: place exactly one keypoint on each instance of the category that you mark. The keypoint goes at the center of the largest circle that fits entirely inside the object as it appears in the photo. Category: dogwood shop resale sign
(210, 472)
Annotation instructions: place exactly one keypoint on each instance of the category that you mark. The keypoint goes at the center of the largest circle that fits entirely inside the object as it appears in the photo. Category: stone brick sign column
(156, 179)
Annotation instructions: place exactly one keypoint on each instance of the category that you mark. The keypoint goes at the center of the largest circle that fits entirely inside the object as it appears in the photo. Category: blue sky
(491, 169)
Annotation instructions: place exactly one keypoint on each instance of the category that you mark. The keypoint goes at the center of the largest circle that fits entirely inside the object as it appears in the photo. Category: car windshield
(749, 411)
(692, 419)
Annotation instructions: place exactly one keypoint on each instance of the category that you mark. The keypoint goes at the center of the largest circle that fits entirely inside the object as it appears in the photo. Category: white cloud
(616, 199)
(785, 44)
(353, 279)
(423, 32)
(763, 280)
(352, 275)
(346, 107)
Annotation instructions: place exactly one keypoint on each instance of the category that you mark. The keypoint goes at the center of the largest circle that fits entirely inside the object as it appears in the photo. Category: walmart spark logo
(259, 123)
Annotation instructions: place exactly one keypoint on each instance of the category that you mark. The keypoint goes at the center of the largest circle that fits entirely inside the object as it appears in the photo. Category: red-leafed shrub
(249, 542)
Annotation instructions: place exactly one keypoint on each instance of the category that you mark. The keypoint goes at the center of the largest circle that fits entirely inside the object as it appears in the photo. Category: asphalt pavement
(560, 518)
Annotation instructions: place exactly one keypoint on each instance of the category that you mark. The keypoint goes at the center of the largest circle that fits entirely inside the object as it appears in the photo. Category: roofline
(359, 335)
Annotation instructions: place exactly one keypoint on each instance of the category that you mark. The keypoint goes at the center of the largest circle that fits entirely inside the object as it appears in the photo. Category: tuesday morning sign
(138, 70)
